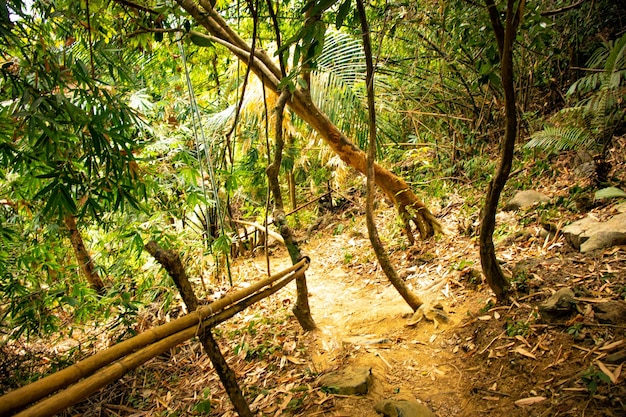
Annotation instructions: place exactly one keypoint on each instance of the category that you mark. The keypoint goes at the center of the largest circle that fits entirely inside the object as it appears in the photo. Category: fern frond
(616, 57)
(335, 84)
(598, 57)
(560, 139)
(343, 57)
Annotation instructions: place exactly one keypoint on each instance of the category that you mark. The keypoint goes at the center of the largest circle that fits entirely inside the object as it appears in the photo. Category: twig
(491, 343)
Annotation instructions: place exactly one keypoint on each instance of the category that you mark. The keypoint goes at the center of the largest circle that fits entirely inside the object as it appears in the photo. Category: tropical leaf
(560, 138)
(599, 112)
(609, 192)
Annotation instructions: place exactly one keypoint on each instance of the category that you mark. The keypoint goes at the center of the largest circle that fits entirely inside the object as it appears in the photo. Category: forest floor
(487, 359)
(483, 361)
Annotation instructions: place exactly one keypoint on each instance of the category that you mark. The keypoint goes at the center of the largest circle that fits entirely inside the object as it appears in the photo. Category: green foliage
(517, 328)
(67, 135)
(575, 330)
(337, 86)
(609, 192)
(593, 378)
(599, 110)
(203, 406)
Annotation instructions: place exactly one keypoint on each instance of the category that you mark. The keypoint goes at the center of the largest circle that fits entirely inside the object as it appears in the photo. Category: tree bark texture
(415, 215)
(301, 309)
(83, 258)
(505, 36)
(381, 254)
(174, 267)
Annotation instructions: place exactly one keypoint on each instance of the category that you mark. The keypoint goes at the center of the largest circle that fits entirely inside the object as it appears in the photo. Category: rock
(603, 239)
(588, 234)
(616, 358)
(559, 304)
(525, 199)
(613, 312)
(402, 408)
(349, 381)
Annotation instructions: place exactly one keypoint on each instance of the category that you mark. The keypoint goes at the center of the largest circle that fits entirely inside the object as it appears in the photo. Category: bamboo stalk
(28, 394)
(115, 371)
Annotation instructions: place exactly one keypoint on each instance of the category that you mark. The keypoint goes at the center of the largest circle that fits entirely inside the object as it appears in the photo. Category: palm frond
(335, 85)
(343, 57)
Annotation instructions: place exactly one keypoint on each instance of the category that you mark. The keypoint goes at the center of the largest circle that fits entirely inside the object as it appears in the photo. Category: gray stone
(525, 199)
(560, 303)
(616, 358)
(613, 312)
(353, 380)
(402, 408)
(602, 240)
(588, 234)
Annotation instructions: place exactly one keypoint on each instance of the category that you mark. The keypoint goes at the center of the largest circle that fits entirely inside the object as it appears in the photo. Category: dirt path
(361, 320)
(485, 358)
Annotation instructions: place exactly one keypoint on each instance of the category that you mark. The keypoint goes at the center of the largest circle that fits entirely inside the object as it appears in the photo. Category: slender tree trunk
(505, 36)
(381, 254)
(291, 183)
(412, 211)
(82, 256)
(174, 267)
(301, 309)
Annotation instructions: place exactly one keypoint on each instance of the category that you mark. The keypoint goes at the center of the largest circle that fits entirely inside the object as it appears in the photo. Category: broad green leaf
(200, 39)
(609, 192)
(342, 13)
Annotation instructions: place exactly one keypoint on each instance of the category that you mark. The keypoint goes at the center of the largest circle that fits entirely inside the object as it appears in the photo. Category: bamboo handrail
(28, 394)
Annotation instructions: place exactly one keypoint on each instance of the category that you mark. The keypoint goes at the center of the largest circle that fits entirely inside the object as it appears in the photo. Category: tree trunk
(174, 267)
(301, 308)
(505, 36)
(411, 209)
(82, 256)
(381, 254)
(291, 184)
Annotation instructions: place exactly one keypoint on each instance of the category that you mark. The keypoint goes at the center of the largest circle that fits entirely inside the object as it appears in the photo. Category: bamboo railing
(102, 368)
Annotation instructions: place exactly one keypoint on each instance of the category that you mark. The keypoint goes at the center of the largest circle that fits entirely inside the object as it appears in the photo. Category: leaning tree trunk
(381, 254)
(82, 256)
(172, 264)
(505, 37)
(411, 209)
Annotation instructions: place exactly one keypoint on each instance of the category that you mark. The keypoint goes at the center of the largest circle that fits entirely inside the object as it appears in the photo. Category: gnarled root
(414, 213)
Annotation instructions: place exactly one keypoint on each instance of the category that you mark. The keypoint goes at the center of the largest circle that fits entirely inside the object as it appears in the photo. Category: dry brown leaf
(294, 360)
(618, 371)
(529, 401)
(606, 371)
(522, 339)
(613, 345)
(524, 352)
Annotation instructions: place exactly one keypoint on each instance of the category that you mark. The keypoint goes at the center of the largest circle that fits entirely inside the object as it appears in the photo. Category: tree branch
(562, 9)
(137, 7)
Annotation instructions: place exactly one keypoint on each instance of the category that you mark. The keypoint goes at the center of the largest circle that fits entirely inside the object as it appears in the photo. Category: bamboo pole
(28, 394)
(114, 371)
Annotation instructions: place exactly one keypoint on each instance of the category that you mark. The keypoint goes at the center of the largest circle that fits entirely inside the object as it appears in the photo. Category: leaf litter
(487, 359)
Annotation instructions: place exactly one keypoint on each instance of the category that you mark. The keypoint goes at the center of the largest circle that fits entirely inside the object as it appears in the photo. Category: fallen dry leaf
(524, 352)
(529, 401)
(606, 371)
(613, 345)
